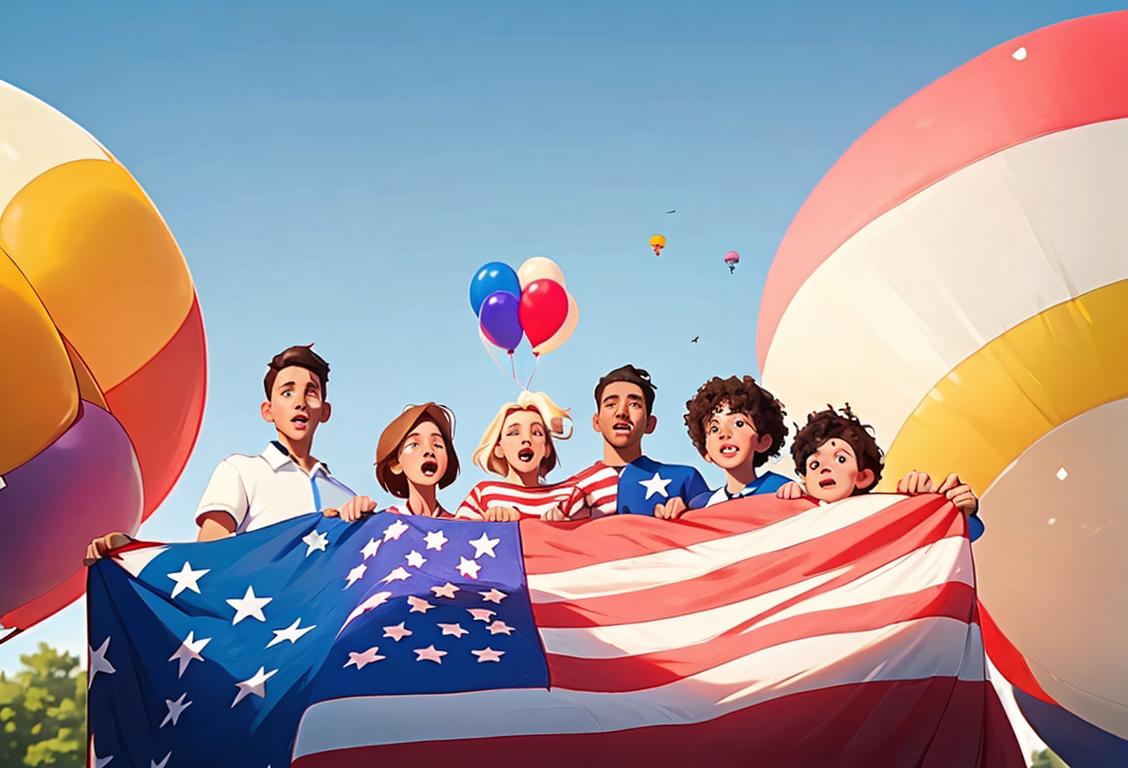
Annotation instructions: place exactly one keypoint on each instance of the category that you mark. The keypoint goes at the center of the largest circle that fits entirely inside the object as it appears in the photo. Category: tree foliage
(43, 711)
(1047, 759)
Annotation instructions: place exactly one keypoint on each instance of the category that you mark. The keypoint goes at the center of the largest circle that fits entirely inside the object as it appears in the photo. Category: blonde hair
(556, 421)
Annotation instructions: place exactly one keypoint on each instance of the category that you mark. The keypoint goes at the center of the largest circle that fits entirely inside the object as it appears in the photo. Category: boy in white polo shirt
(285, 480)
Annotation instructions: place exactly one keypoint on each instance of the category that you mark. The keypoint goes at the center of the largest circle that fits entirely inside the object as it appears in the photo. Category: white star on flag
(370, 549)
(186, 578)
(174, 709)
(446, 590)
(189, 651)
(468, 568)
(162, 763)
(293, 633)
(315, 541)
(256, 685)
(484, 545)
(397, 574)
(488, 654)
(99, 662)
(397, 632)
(356, 574)
(655, 485)
(453, 629)
(414, 559)
(435, 540)
(361, 660)
(248, 605)
(430, 653)
(481, 614)
(95, 761)
(501, 627)
(418, 604)
(395, 530)
(375, 601)
(493, 596)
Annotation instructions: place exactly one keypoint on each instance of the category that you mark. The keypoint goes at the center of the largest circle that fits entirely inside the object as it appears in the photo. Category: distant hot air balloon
(973, 241)
(658, 242)
(732, 258)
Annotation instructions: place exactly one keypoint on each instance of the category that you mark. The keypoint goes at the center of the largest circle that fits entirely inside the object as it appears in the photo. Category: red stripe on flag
(861, 548)
(936, 722)
(632, 673)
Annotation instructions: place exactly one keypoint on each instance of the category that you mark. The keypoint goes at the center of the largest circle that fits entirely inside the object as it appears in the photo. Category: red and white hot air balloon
(960, 276)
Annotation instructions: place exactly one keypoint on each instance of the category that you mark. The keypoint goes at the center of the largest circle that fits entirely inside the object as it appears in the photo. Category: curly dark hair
(741, 395)
(844, 425)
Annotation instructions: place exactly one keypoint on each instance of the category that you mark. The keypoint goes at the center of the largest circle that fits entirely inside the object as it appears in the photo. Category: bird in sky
(695, 339)
(673, 211)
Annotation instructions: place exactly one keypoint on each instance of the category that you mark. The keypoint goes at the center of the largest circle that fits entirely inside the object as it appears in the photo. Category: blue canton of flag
(208, 654)
(645, 483)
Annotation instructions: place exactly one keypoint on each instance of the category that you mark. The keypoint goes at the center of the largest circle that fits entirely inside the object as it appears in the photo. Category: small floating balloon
(658, 242)
(492, 277)
(499, 320)
(732, 258)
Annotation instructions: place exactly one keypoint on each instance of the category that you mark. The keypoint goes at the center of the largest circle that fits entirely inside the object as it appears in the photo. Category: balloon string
(536, 362)
(489, 352)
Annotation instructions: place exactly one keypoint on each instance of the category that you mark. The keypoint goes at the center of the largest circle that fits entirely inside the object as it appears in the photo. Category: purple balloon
(500, 321)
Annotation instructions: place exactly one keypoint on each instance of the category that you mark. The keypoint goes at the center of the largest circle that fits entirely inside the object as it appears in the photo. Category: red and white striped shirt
(599, 485)
(530, 502)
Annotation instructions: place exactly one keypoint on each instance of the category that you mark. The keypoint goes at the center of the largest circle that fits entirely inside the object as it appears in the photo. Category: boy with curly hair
(737, 425)
(837, 456)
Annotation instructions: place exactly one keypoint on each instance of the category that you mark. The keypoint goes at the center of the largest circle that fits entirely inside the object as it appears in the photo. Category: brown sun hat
(387, 447)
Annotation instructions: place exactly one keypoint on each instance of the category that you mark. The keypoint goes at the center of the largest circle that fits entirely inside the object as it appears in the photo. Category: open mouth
(827, 482)
(622, 427)
(525, 454)
(430, 468)
(300, 420)
(729, 450)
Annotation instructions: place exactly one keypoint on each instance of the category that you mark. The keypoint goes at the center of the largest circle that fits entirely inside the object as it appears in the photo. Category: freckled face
(832, 472)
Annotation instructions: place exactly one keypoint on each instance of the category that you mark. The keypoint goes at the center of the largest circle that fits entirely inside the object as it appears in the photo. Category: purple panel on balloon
(84, 484)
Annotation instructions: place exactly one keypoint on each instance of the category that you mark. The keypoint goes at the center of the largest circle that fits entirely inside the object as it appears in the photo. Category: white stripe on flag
(673, 565)
(931, 565)
(914, 650)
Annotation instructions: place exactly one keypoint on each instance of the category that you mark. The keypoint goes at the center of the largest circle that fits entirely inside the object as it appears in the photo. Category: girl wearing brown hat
(415, 453)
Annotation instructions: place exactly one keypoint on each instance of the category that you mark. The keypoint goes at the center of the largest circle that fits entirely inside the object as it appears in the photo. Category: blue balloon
(490, 278)
(1076, 741)
(500, 320)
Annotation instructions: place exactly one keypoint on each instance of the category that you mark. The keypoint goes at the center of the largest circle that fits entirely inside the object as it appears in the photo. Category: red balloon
(544, 308)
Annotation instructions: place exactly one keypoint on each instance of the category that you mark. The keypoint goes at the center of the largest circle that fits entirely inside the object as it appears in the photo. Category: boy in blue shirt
(737, 425)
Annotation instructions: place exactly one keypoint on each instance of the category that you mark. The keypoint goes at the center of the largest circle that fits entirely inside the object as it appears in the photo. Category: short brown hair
(301, 356)
(742, 395)
(844, 425)
(634, 375)
(394, 435)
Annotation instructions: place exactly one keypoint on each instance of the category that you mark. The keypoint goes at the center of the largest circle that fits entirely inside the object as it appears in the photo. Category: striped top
(599, 485)
(530, 502)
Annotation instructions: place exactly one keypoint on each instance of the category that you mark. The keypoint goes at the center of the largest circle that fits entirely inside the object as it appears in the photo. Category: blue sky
(336, 173)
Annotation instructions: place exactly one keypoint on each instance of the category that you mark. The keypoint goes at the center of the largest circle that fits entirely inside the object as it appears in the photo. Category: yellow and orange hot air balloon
(658, 242)
(103, 355)
(960, 276)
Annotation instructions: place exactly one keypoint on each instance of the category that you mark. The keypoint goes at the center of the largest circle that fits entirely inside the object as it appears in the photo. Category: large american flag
(755, 632)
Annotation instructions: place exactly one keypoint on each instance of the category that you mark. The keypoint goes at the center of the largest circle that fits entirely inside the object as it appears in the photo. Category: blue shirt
(645, 483)
(769, 482)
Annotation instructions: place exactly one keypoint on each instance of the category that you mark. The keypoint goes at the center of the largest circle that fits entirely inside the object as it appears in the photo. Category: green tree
(1047, 759)
(43, 711)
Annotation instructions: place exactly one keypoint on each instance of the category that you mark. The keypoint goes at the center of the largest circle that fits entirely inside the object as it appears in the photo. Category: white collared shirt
(261, 490)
